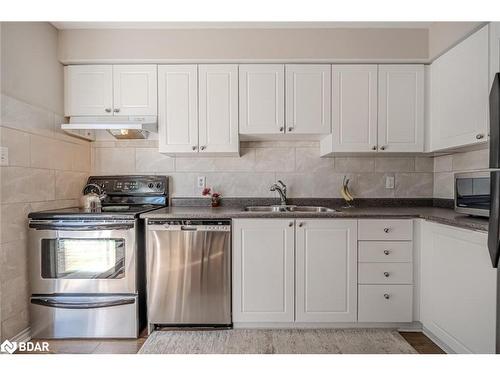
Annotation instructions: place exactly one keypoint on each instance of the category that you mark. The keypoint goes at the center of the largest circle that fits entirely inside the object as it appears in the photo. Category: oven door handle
(53, 302)
(81, 228)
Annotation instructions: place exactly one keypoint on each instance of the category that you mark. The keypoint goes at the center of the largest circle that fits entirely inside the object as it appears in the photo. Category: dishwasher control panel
(189, 225)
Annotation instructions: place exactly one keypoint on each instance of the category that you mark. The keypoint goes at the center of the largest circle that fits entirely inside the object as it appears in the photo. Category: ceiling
(236, 25)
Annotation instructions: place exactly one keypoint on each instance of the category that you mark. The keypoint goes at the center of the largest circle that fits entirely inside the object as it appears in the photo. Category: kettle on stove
(93, 194)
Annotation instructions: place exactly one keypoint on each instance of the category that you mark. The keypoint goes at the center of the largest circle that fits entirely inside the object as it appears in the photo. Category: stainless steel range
(87, 265)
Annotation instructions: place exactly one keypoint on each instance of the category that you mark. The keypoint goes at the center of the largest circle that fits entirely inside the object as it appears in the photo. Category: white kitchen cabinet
(88, 90)
(459, 94)
(218, 108)
(107, 90)
(135, 90)
(326, 281)
(178, 108)
(354, 110)
(458, 296)
(400, 108)
(308, 89)
(494, 29)
(385, 303)
(263, 270)
(262, 99)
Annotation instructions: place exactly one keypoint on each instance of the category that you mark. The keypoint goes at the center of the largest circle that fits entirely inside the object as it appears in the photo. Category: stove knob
(158, 185)
(150, 185)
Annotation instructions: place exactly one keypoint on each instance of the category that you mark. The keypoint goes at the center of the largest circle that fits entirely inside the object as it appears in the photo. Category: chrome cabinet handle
(290, 128)
(301, 225)
(374, 148)
(108, 110)
(290, 224)
(386, 274)
(202, 148)
(386, 252)
(386, 230)
(193, 148)
(116, 110)
(386, 296)
(282, 128)
(382, 148)
(479, 136)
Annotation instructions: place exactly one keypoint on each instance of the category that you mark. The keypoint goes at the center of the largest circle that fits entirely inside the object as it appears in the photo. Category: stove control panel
(157, 185)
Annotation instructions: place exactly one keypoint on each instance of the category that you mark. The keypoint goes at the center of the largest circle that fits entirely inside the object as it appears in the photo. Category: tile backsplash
(297, 163)
(446, 166)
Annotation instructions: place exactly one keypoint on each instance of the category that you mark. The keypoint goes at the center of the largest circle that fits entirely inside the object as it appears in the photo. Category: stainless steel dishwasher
(188, 272)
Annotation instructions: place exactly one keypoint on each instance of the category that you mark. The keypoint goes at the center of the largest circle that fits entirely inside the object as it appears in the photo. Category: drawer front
(385, 273)
(381, 230)
(385, 251)
(385, 303)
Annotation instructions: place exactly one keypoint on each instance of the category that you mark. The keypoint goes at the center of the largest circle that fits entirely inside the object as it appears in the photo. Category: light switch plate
(201, 182)
(4, 156)
(389, 182)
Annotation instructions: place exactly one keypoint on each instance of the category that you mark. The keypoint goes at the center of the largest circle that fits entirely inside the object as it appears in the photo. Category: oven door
(82, 257)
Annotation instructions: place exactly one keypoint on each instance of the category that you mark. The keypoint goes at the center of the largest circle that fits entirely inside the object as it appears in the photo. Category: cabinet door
(88, 90)
(135, 90)
(178, 108)
(326, 281)
(354, 108)
(401, 108)
(263, 270)
(494, 29)
(218, 108)
(308, 90)
(262, 98)
(459, 94)
(458, 289)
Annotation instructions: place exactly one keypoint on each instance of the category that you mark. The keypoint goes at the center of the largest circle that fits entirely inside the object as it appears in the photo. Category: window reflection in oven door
(82, 258)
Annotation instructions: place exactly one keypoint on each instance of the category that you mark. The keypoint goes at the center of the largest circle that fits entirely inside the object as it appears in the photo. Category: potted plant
(214, 196)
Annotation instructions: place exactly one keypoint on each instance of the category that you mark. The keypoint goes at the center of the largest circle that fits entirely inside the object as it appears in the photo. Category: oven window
(73, 258)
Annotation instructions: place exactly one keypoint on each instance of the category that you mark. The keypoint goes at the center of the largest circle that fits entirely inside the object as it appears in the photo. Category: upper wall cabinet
(459, 94)
(198, 109)
(307, 96)
(107, 90)
(401, 108)
(262, 98)
(218, 108)
(354, 110)
(494, 29)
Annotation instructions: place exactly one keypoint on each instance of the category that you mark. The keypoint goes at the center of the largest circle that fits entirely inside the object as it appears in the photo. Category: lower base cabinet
(294, 270)
(385, 303)
(458, 295)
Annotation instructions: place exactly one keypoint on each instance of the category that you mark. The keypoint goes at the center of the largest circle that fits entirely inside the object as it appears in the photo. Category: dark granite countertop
(439, 215)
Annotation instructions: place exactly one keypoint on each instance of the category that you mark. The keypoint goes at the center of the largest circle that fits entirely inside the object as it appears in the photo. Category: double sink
(289, 208)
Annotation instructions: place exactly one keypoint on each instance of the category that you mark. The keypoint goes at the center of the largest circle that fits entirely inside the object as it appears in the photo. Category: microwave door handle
(54, 302)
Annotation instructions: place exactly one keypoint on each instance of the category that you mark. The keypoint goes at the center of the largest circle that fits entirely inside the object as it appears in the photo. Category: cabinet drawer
(385, 273)
(385, 251)
(394, 230)
(385, 303)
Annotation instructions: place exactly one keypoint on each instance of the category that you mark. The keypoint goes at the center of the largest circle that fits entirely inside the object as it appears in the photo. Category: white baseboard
(23, 336)
(399, 326)
(438, 342)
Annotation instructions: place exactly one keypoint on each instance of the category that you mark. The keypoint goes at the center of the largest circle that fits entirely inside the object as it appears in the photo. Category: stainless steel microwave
(472, 193)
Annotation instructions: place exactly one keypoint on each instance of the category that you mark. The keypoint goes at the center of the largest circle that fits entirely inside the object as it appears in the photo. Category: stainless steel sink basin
(278, 208)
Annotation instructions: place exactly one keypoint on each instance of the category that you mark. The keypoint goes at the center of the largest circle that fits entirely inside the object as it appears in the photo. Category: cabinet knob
(382, 148)
(386, 274)
(202, 148)
(479, 136)
(386, 252)
(290, 224)
(290, 128)
(116, 110)
(193, 148)
(282, 128)
(301, 225)
(386, 230)
(374, 148)
(108, 110)
(386, 296)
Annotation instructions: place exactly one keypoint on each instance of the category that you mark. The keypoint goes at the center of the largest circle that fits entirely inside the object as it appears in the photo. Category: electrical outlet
(389, 182)
(201, 182)
(4, 156)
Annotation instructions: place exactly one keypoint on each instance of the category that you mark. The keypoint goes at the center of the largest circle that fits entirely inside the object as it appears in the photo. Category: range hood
(120, 127)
